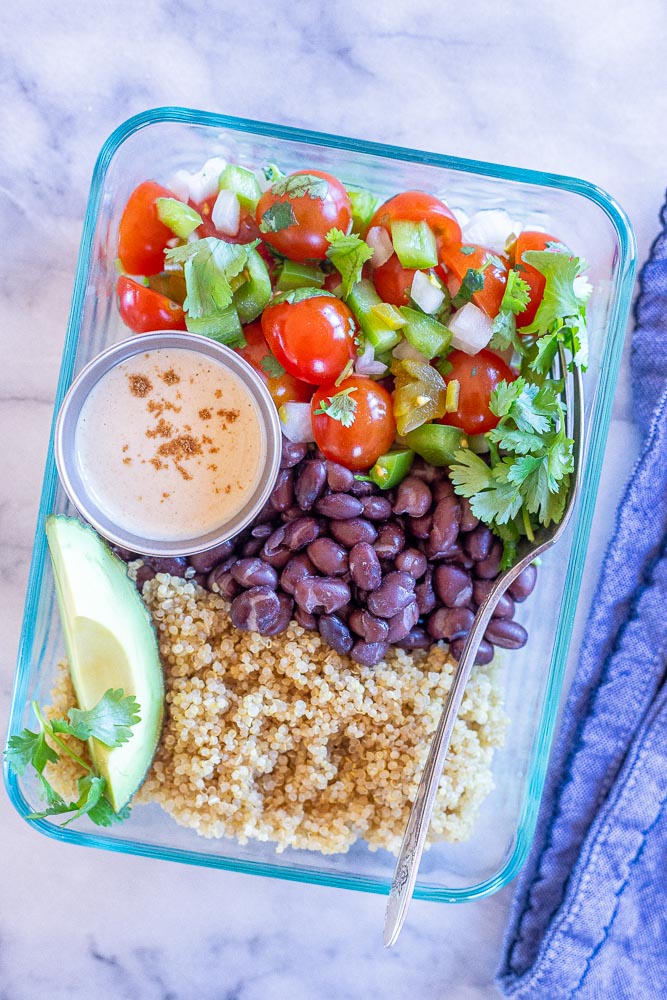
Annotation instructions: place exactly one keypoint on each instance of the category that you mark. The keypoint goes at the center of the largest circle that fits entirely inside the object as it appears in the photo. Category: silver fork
(414, 838)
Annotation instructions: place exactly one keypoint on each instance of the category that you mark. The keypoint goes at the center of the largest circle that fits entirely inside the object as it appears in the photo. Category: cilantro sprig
(561, 315)
(525, 482)
(348, 254)
(515, 299)
(210, 268)
(110, 721)
(341, 406)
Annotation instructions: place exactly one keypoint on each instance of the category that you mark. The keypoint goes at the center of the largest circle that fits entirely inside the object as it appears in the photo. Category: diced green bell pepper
(243, 183)
(177, 216)
(224, 326)
(414, 244)
(391, 468)
(426, 334)
(253, 295)
(294, 275)
(362, 300)
(436, 442)
(363, 205)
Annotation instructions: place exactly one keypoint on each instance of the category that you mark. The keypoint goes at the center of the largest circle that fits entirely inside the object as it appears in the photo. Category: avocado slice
(111, 643)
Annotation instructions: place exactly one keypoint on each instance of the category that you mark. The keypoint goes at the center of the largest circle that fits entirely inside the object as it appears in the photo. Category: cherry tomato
(313, 339)
(417, 206)
(248, 229)
(477, 375)
(142, 238)
(306, 238)
(461, 257)
(531, 241)
(283, 388)
(371, 432)
(143, 309)
(393, 281)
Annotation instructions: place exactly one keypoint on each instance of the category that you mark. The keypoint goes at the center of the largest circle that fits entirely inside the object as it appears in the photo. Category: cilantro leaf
(109, 721)
(272, 172)
(271, 366)
(279, 216)
(515, 299)
(210, 265)
(473, 281)
(348, 254)
(561, 315)
(27, 748)
(340, 407)
(517, 293)
(300, 185)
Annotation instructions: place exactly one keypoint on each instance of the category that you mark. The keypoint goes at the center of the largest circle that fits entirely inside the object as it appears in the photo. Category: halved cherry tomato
(393, 281)
(284, 388)
(306, 239)
(478, 375)
(313, 339)
(417, 206)
(530, 241)
(143, 309)
(142, 238)
(371, 432)
(462, 257)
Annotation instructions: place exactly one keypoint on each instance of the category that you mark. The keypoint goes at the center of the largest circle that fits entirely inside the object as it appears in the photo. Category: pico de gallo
(381, 329)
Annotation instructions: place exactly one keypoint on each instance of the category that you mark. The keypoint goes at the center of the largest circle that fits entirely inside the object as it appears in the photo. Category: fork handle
(414, 838)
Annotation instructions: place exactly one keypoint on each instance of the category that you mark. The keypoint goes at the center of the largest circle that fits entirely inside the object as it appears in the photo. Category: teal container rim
(618, 318)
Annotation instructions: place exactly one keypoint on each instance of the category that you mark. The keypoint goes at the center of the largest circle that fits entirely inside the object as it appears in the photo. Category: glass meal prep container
(154, 145)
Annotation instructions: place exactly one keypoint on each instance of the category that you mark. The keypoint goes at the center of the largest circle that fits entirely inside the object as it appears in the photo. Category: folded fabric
(590, 911)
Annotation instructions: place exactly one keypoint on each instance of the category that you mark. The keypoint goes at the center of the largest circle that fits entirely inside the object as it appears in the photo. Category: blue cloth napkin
(590, 910)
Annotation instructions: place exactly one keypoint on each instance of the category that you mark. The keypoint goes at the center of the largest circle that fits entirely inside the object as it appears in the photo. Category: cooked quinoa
(282, 739)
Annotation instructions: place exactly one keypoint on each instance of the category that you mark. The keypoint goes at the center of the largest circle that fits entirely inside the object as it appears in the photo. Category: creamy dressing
(170, 444)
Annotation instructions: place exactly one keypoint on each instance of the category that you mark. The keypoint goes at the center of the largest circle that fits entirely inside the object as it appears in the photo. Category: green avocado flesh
(110, 643)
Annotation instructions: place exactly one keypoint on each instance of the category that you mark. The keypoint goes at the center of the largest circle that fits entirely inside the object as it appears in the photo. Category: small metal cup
(73, 477)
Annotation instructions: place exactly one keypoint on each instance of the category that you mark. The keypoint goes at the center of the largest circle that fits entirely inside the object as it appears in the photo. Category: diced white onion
(226, 214)
(380, 243)
(471, 328)
(582, 288)
(367, 364)
(460, 216)
(262, 180)
(405, 351)
(179, 185)
(490, 228)
(426, 293)
(296, 423)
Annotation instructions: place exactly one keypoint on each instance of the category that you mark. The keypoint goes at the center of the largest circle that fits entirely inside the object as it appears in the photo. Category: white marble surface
(572, 87)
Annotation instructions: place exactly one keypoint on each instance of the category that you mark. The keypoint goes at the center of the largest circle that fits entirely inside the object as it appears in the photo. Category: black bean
(416, 638)
(376, 508)
(361, 488)
(365, 566)
(291, 514)
(412, 561)
(450, 623)
(422, 469)
(144, 573)
(504, 607)
(305, 620)
(506, 633)
(334, 631)
(488, 569)
(390, 540)
(483, 655)
(524, 584)
(456, 555)
(254, 573)
(300, 533)
(403, 622)
(443, 488)
(255, 610)
(413, 497)
(292, 454)
(369, 627)
(274, 543)
(340, 506)
(446, 520)
(468, 519)
(338, 477)
(352, 532)
(296, 569)
(478, 542)
(278, 559)
(200, 580)
(420, 527)
(282, 495)
(328, 556)
(262, 531)
(203, 562)
(321, 594)
(173, 565)
(368, 653)
(396, 591)
(221, 581)
(425, 595)
(452, 585)
(251, 547)
(284, 616)
(310, 483)
(125, 554)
